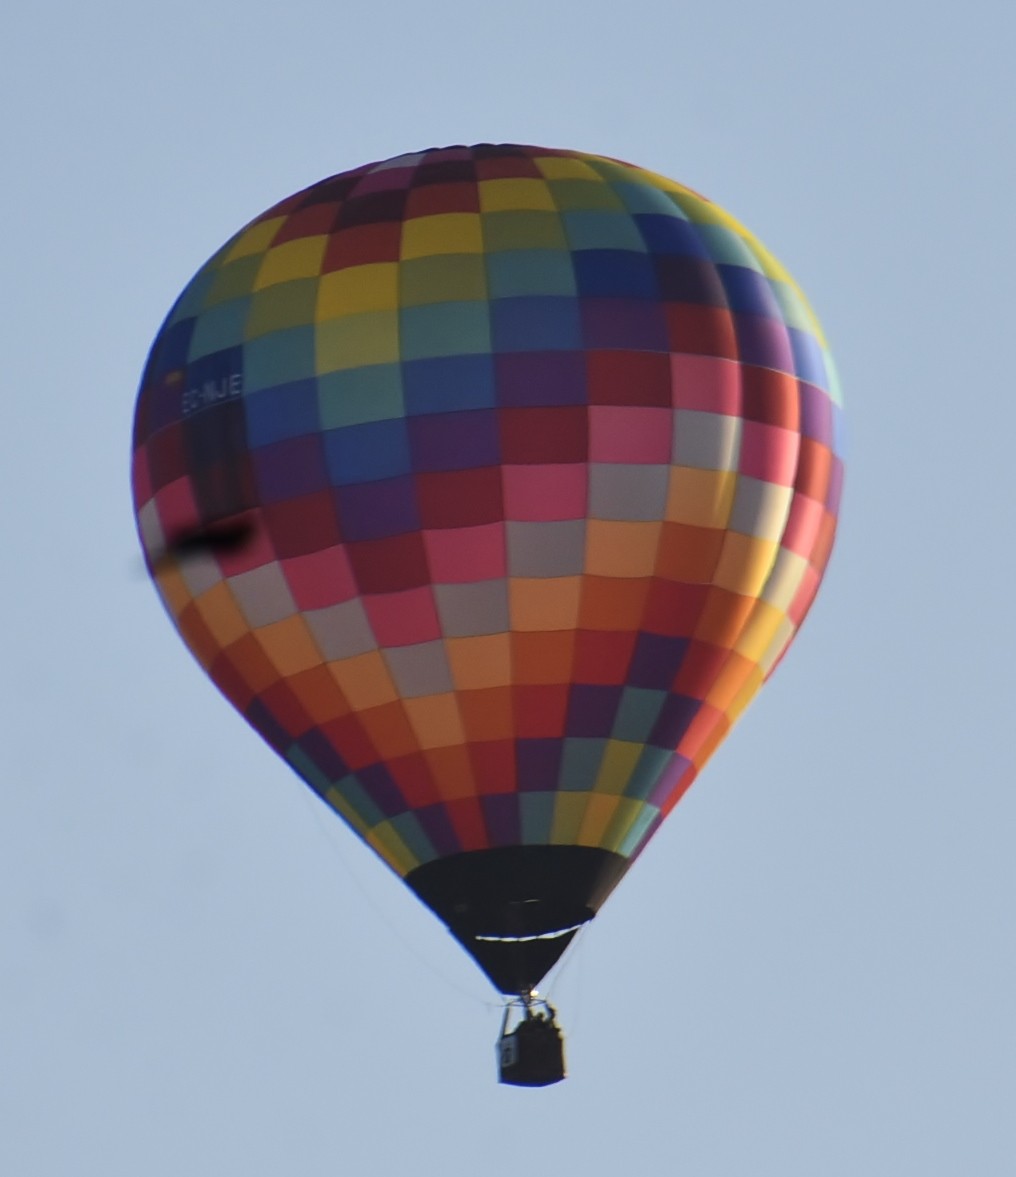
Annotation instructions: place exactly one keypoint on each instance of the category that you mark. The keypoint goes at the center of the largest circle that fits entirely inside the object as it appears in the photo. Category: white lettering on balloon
(211, 392)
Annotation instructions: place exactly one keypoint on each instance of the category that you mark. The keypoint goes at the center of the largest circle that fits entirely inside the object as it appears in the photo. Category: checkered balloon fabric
(530, 460)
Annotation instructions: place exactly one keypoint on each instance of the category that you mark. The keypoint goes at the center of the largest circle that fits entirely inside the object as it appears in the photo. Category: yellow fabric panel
(758, 634)
(625, 815)
(745, 563)
(447, 277)
(391, 848)
(294, 259)
(345, 810)
(600, 811)
(704, 212)
(529, 229)
(555, 167)
(569, 809)
(279, 307)
(358, 289)
(254, 240)
(442, 233)
(357, 340)
(780, 640)
(619, 760)
(503, 195)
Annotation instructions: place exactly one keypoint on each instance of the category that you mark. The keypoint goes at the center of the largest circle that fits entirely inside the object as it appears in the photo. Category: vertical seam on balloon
(354, 712)
(606, 169)
(817, 568)
(570, 682)
(754, 611)
(757, 609)
(418, 750)
(467, 740)
(694, 199)
(617, 828)
(709, 583)
(327, 662)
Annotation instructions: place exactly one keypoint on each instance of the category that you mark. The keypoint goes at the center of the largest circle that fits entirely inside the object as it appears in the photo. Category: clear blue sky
(811, 971)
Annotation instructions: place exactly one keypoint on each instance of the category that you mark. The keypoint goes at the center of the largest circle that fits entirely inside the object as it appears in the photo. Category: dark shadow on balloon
(223, 537)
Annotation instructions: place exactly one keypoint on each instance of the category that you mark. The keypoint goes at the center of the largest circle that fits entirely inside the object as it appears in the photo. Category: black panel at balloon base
(531, 1054)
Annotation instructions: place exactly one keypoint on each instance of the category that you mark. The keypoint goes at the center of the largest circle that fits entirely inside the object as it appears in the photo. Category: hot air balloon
(489, 484)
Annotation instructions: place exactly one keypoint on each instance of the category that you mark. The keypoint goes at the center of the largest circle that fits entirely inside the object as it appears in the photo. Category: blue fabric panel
(749, 291)
(288, 410)
(615, 273)
(368, 452)
(536, 324)
(447, 382)
(809, 363)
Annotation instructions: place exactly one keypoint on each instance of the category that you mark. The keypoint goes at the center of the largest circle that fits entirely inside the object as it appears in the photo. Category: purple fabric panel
(501, 813)
(291, 468)
(673, 721)
(373, 510)
(591, 709)
(454, 441)
(634, 323)
(541, 378)
(381, 788)
(764, 342)
(538, 764)
(435, 823)
(816, 413)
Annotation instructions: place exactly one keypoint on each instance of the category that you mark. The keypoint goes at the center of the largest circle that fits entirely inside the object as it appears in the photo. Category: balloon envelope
(489, 484)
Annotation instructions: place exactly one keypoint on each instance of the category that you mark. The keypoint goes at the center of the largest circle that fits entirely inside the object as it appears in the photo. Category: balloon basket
(531, 1053)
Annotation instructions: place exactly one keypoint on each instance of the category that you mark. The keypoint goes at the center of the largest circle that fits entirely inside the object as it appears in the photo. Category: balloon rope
(328, 831)
(562, 966)
(558, 972)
